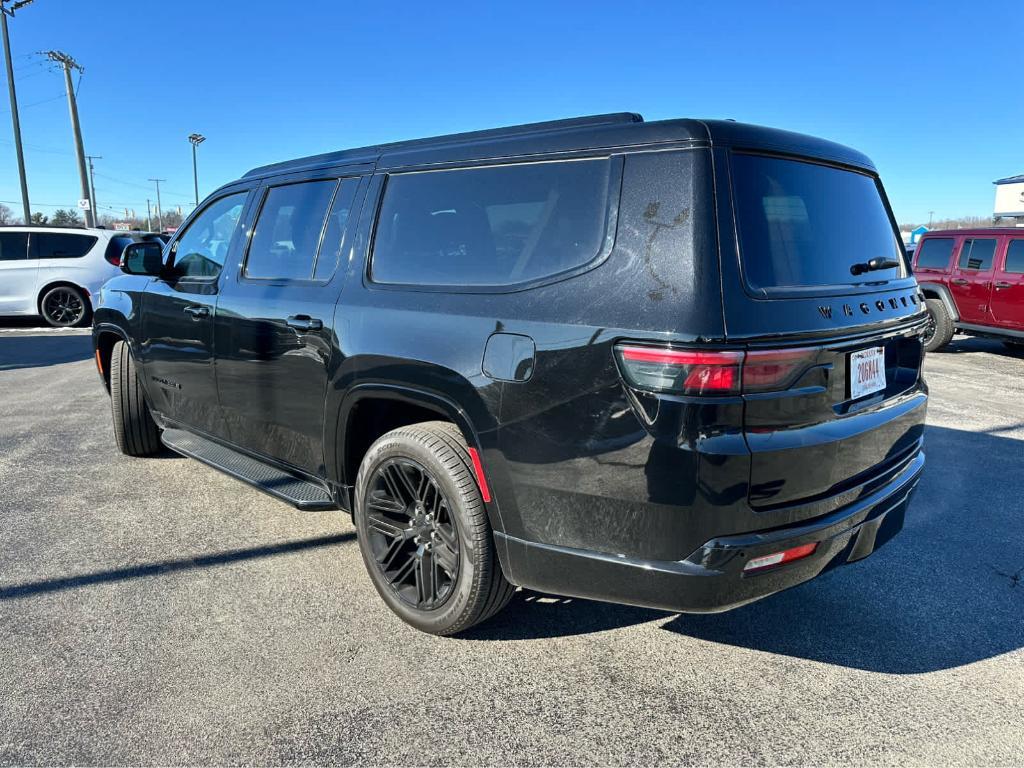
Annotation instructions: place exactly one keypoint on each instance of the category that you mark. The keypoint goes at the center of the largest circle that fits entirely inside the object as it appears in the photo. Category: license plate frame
(865, 372)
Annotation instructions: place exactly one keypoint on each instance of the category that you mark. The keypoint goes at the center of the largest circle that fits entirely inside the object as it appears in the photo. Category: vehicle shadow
(973, 344)
(43, 350)
(43, 586)
(948, 591)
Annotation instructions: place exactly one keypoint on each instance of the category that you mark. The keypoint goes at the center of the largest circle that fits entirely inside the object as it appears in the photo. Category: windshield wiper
(873, 265)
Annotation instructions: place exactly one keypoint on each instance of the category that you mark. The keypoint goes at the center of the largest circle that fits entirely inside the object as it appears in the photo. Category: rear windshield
(804, 225)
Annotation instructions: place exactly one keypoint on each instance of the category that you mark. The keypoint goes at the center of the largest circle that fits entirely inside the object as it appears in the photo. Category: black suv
(673, 364)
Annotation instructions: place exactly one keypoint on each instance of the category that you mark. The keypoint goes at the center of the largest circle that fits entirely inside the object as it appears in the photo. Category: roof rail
(363, 153)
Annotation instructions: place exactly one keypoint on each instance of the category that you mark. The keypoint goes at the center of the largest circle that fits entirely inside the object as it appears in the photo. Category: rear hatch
(817, 288)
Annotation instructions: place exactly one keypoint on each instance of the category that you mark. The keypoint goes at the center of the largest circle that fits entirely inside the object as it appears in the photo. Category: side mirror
(144, 258)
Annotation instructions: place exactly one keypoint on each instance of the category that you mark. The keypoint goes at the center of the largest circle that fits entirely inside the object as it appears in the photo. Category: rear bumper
(711, 579)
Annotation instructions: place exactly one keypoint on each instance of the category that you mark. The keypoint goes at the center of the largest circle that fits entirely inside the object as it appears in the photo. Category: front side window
(977, 253)
(804, 224)
(935, 252)
(13, 246)
(203, 247)
(1015, 257)
(288, 231)
(58, 245)
(493, 226)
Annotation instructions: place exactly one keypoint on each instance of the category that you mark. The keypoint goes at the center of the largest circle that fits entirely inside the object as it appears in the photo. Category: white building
(1009, 198)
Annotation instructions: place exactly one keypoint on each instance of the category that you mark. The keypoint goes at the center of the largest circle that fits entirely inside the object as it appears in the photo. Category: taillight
(711, 372)
(682, 371)
(774, 369)
(113, 257)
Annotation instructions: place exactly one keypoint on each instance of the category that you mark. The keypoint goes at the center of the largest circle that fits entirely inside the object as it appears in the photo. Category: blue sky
(931, 91)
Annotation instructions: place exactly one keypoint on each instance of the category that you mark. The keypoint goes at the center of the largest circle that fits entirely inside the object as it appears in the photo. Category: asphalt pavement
(155, 611)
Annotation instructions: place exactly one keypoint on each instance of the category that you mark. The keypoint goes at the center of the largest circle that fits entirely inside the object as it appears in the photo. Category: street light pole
(4, 13)
(195, 140)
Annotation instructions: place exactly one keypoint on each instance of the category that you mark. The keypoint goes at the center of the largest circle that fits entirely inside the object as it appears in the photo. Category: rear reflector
(778, 558)
(478, 470)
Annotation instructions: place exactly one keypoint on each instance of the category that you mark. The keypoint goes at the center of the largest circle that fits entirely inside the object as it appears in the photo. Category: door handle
(958, 281)
(1000, 285)
(197, 311)
(304, 323)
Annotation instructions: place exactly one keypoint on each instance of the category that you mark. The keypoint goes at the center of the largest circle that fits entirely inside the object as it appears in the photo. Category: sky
(932, 92)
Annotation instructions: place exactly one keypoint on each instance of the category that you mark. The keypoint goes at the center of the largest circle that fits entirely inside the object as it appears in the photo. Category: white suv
(54, 271)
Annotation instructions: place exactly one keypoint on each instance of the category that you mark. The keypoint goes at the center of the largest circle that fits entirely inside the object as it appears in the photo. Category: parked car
(973, 282)
(595, 357)
(55, 271)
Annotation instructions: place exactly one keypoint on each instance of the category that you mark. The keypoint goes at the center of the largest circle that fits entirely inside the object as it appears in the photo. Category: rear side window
(13, 246)
(288, 231)
(116, 247)
(493, 226)
(57, 245)
(935, 252)
(1015, 257)
(977, 254)
(803, 224)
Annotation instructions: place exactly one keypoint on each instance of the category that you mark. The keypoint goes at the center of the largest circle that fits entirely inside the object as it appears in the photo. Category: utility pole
(159, 210)
(930, 215)
(195, 140)
(149, 217)
(92, 182)
(68, 63)
(4, 13)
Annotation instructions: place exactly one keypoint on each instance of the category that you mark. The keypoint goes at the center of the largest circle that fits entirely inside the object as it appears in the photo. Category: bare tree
(6, 215)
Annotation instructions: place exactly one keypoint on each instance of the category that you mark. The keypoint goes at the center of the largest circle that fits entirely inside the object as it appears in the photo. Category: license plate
(867, 371)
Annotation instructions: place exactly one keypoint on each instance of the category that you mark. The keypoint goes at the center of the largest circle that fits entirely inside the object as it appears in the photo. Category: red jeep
(973, 282)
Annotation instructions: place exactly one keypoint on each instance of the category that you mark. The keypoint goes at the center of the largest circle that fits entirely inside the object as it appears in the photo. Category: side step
(276, 482)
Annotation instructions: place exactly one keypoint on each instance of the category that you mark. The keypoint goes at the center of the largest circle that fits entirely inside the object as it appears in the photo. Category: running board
(277, 482)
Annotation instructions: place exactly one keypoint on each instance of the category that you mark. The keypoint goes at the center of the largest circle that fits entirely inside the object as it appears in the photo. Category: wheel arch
(388, 405)
(941, 292)
(104, 337)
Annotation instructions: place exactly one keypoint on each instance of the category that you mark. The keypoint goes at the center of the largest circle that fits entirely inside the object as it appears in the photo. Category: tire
(941, 327)
(134, 429)
(423, 530)
(65, 306)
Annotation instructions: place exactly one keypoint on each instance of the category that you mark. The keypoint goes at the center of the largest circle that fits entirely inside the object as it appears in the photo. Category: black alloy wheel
(423, 529)
(412, 533)
(64, 307)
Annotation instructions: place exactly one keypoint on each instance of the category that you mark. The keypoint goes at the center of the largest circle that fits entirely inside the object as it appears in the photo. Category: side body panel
(972, 288)
(17, 275)
(1006, 308)
(272, 376)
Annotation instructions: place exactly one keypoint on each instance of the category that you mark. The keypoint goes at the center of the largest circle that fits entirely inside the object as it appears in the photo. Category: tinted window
(491, 226)
(202, 248)
(13, 245)
(935, 252)
(334, 234)
(116, 247)
(1015, 256)
(803, 224)
(977, 254)
(288, 230)
(57, 245)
